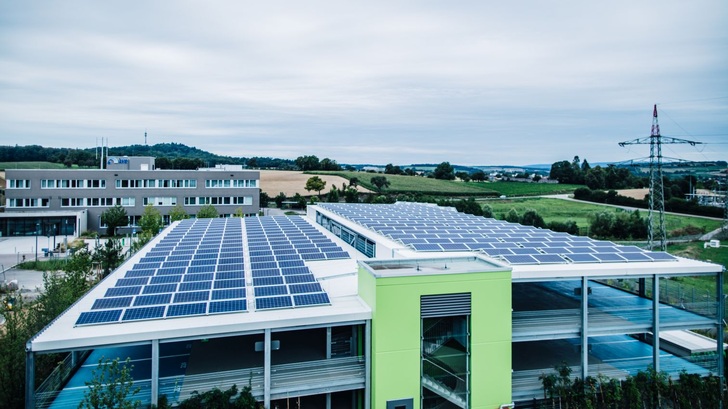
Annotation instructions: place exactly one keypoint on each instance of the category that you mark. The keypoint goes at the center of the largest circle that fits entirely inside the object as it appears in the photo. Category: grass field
(564, 210)
(422, 185)
(34, 165)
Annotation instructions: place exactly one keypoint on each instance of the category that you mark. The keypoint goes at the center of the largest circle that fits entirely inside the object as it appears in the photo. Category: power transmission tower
(656, 228)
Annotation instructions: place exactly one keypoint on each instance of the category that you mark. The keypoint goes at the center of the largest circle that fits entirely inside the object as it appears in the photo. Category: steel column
(155, 372)
(584, 327)
(29, 378)
(656, 322)
(266, 368)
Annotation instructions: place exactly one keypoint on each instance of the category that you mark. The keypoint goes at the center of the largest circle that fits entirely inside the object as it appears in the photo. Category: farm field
(562, 210)
(418, 184)
(273, 182)
(34, 165)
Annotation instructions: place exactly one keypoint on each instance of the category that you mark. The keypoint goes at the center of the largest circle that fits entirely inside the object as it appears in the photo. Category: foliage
(300, 201)
(207, 212)
(18, 328)
(647, 389)
(512, 216)
(351, 195)
(380, 182)
(111, 386)
(621, 226)
(114, 217)
(178, 213)
(279, 199)
(390, 169)
(151, 220)
(218, 399)
(444, 171)
(140, 241)
(532, 218)
(109, 255)
(488, 211)
(333, 195)
(239, 212)
(478, 176)
(24, 319)
(264, 199)
(315, 183)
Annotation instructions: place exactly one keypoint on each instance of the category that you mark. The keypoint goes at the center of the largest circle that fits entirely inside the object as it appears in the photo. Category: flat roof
(429, 266)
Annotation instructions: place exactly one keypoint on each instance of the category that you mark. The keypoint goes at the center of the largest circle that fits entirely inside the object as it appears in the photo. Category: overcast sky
(470, 82)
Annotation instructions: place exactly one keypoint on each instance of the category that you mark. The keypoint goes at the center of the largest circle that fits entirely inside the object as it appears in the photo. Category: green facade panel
(396, 332)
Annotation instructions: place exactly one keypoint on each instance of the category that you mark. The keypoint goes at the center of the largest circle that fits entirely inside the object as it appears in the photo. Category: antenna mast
(656, 228)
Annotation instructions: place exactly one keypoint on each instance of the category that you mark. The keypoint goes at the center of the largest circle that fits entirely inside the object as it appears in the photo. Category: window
(18, 184)
(160, 201)
(445, 349)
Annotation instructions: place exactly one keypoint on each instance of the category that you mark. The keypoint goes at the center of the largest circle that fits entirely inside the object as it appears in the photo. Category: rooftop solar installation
(431, 228)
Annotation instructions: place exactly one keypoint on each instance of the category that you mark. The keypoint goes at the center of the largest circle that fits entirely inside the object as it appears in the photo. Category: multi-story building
(130, 182)
(381, 306)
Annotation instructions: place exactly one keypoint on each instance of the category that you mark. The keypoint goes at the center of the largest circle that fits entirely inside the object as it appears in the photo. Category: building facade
(132, 183)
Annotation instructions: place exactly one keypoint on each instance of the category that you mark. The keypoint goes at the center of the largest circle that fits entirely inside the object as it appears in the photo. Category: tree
(207, 212)
(478, 176)
(444, 171)
(351, 195)
(307, 163)
(562, 171)
(178, 213)
(315, 183)
(512, 216)
(380, 182)
(114, 217)
(111, 386)
(354, 181)
(532, 218)
(464, 176)
(239, 212)
(280, 199)
(264, 199)
(333, 195)
(218, 399)
(151, 220)
(109, 255)
(390, 169)
(487, 211)
(329, 164)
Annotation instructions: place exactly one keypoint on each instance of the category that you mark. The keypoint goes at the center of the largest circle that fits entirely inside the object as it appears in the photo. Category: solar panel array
(278, 248)
(199, 268)
(431, 228)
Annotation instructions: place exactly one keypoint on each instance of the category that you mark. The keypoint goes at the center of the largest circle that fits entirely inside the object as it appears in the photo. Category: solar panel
(198, 277)
(295, 270)
(131, 314)
(268, 272)
(138, 273)
(305, 288)
(178, 310)
(549, 258)
(228, 293)
(258, 281)
(273, 302)
(608, 257)
(229, 283)
(426, 247)
(98, 317)
(126, 282)
(311, 299)
(581, 258)
(636, 256)
(195, 286)
(165, 279)
(122, 291)
(659, 256)
(227, 306)
(519, 259)
(268, 291)
(300, 278)
(153, 299)
(191, 296)
(116, 302)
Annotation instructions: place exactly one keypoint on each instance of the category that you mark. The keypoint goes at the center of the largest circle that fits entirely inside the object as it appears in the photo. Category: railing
(47, 391)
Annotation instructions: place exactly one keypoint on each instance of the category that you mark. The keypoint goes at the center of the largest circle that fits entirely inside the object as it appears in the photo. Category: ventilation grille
(445, 305)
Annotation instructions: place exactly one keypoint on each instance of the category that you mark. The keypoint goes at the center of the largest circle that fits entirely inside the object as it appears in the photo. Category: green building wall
(395, 355)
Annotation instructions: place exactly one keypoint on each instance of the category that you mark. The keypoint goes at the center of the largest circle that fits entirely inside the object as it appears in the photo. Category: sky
(402, 82)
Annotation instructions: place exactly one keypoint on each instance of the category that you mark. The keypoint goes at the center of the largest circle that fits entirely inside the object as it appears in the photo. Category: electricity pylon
(656, 223)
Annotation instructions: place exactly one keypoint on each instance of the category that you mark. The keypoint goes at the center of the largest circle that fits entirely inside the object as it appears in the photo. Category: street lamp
(37, 229)
(65, 230)
(54, 239)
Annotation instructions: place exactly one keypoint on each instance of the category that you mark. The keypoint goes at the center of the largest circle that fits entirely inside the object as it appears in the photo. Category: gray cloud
(400, 82)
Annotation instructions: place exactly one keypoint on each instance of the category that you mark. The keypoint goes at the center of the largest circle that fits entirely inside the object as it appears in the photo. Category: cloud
(400, 82)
